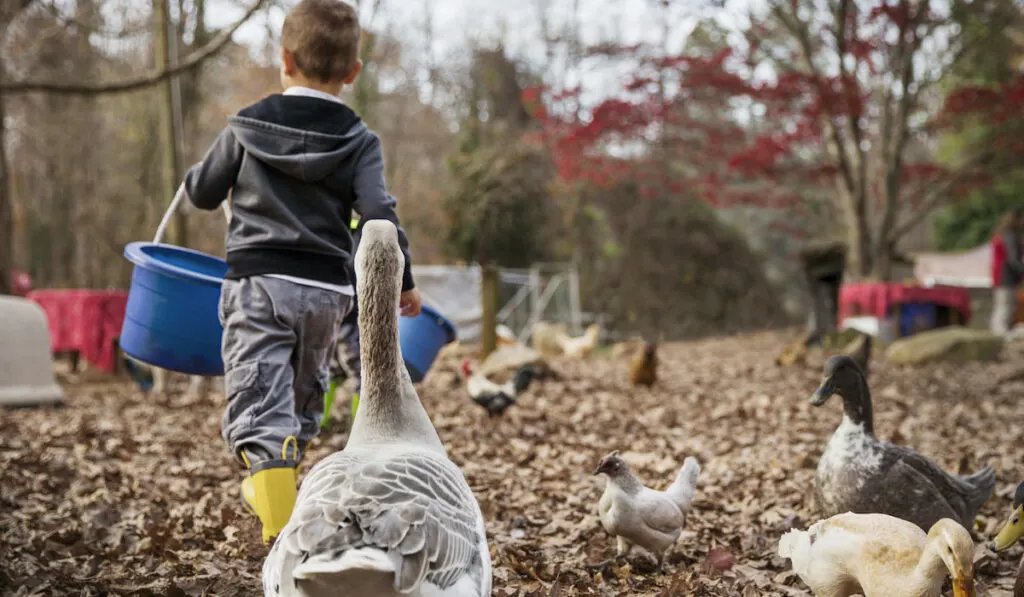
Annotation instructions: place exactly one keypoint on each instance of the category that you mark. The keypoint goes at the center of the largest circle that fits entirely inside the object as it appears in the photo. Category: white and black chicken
(496, 398)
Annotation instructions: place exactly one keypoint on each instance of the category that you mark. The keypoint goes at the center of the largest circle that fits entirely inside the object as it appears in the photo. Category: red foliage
(686, 141)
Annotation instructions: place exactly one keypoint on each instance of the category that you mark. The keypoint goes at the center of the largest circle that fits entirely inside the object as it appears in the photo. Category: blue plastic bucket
(171, 318)
(421, 338)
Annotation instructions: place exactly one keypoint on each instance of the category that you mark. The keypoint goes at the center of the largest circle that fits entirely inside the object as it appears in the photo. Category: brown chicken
(643, 367)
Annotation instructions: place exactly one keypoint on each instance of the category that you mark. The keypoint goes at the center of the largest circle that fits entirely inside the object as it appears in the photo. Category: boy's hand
(410, 303)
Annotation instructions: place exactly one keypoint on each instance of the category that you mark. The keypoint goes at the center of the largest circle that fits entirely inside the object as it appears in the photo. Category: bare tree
(9, 11)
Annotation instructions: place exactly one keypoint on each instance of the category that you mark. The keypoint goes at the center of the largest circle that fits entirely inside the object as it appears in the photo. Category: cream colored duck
(389, 515)
(877, 555)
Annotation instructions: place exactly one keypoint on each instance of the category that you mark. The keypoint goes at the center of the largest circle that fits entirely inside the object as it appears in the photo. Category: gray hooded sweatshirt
(296, 168)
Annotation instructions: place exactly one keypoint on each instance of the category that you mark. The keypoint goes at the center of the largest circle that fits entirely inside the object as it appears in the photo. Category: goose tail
(366, 571)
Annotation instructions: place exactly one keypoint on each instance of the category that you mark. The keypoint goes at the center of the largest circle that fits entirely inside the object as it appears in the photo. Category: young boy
(296, 165)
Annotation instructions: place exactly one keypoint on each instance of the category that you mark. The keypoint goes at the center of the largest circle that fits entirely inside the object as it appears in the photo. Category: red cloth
(86, 321)
(873, 298)
(998, 260)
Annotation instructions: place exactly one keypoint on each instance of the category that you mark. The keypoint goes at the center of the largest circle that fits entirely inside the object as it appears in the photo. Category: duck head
(956, 550)
(1013, 528)
(843, 376)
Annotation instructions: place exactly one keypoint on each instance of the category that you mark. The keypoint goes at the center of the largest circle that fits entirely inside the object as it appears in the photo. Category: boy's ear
(358, 68)
(288, 63)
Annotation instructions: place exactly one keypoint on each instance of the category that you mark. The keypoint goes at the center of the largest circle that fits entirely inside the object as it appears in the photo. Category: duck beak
(823, 393)
(1011, 532)
(963, 587)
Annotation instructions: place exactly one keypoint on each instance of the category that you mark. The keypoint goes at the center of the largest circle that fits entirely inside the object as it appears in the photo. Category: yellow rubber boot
(270, 489)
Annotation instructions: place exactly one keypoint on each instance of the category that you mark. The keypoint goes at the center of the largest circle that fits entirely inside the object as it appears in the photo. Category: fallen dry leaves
(126, 494)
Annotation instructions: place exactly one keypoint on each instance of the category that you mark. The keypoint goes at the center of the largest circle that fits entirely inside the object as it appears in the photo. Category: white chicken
(637, 515)
(581, 346)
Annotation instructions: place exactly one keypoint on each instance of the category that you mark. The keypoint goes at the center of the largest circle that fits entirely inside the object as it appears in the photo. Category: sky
(458, 24)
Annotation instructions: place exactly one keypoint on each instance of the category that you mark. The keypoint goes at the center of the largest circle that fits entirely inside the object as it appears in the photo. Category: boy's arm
(374, 203)
(207, 183)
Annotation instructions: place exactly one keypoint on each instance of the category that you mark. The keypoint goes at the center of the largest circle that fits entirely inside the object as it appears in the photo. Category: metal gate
(544, 292)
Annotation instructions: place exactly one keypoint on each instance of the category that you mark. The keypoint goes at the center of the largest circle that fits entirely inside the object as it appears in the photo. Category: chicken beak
(1011, 532)
(963, 587)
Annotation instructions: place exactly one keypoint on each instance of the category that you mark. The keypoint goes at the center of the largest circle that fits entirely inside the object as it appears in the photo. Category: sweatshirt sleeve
(208, 182)
(374, 203)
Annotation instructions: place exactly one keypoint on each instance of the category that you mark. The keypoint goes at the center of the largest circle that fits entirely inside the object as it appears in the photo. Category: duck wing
(412, 509)
(919, 474)
(908, 494)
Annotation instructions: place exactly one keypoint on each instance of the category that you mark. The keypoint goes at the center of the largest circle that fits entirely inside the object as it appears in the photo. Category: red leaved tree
(840, 100)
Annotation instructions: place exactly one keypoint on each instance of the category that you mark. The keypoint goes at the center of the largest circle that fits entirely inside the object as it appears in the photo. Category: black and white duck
(860, 473)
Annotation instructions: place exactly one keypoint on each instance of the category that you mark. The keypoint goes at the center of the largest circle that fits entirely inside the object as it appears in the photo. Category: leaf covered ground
(120, 493)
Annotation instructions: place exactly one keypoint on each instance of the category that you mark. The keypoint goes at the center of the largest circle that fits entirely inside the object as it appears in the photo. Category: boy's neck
(329, 88)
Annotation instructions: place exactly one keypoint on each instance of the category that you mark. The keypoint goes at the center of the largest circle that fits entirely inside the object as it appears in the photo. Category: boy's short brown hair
(323, 37)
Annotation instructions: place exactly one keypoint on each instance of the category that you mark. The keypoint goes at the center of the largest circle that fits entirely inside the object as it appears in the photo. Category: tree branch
(894, 158)
(11, 9)
(938, 196)
(130, 84)
(799, 30)
(854, 122)
(91, 28)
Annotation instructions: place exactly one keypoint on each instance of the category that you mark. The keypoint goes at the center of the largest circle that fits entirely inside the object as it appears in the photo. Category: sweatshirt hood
(303, 137)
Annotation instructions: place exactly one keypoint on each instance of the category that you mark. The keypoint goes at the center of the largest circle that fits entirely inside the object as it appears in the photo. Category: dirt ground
(120, 493)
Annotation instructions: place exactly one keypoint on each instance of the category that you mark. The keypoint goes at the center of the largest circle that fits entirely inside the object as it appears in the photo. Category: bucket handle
(178, 196)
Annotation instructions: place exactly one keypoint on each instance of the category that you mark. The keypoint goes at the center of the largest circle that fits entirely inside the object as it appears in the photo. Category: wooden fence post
(489, 317)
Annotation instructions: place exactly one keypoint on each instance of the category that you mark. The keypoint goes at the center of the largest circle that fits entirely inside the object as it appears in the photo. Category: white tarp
(966, 269)
(454, 291)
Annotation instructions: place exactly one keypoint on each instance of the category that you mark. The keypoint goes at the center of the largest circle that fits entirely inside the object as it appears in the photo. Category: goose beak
(1011, 532)
(963, 587)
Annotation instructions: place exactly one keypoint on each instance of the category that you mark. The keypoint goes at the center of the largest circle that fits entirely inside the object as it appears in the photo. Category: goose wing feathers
(415, 506)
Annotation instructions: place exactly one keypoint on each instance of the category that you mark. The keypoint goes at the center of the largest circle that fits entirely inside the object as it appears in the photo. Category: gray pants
(346, 359)
(278, 339)
(1004, 308)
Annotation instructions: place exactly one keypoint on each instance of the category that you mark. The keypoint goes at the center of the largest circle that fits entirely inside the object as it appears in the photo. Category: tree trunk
(170, 163)
(489, 316)
(8, 10)
(882, 267)
(6, 209)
